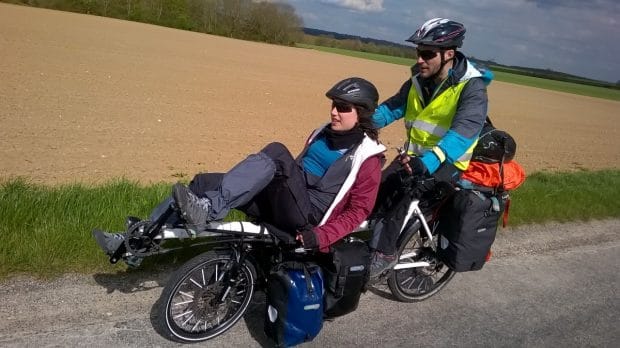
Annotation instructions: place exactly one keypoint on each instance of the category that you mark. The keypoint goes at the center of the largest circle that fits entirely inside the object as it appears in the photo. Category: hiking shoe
(380, 263)
(195, 210)
(108, 242)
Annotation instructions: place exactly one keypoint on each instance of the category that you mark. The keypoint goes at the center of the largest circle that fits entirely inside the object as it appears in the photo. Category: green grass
(364, 55)
(575, 196)
(569, 87)
(46, 231)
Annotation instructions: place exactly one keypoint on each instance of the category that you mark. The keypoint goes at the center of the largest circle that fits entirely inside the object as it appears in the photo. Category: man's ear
(449, 54)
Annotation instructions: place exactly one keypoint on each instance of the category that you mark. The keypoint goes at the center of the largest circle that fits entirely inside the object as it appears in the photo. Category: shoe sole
(384, 273)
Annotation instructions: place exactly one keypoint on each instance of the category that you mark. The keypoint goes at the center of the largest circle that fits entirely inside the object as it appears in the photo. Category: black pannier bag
(345, 273)
(467, 228)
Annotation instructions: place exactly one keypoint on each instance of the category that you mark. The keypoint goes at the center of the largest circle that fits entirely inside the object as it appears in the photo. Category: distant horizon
(573, 37)
(474, 57)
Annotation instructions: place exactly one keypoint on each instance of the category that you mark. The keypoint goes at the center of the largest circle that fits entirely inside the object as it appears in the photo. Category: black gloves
(417, 166)
(308, 237)
(419, 181)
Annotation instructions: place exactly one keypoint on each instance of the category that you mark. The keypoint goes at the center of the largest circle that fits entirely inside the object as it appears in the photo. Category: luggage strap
(298, 265)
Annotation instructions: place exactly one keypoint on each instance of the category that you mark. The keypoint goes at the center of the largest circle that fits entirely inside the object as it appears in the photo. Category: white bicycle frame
(250, 229)
(414, 210)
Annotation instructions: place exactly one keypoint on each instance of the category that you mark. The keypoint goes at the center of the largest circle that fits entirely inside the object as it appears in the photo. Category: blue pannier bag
(294, 303)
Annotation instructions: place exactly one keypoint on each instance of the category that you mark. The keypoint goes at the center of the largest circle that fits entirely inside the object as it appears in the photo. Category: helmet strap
(443, 63)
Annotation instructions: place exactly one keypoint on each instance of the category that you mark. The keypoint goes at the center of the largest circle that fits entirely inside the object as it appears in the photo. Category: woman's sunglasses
(427, 54)
(341, 106)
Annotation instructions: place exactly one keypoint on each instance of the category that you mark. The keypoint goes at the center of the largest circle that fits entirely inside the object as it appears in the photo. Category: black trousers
(393, 201)
(269, 186)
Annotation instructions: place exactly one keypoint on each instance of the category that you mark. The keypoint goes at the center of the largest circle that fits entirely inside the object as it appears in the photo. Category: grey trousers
(269, 185)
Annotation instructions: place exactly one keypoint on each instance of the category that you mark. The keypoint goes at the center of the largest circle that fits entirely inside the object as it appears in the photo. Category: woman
(321, 196)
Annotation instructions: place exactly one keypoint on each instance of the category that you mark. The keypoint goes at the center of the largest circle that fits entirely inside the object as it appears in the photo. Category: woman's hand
(307, 237)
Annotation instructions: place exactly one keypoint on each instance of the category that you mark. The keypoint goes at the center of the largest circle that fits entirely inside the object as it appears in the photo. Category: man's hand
(413, 165)
(404, 161)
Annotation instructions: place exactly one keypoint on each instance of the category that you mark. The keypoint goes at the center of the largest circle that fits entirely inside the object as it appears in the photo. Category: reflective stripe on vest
(426, 125)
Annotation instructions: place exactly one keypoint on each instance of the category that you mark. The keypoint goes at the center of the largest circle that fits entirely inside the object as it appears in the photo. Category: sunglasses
(426, 54)
(341, 106)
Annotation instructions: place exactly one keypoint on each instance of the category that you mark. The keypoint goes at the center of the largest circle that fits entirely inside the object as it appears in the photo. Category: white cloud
(358, 5)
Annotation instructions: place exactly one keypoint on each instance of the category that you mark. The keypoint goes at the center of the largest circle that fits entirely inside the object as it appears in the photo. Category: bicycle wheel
(419, 283)
(205, 297)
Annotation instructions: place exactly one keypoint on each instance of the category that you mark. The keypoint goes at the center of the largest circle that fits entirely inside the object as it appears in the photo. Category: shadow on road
(255, 319)
(130, 281)
(381, 289)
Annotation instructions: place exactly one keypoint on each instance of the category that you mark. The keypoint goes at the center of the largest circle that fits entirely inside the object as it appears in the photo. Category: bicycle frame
(250, 229)
(414, 210)
(238, 231)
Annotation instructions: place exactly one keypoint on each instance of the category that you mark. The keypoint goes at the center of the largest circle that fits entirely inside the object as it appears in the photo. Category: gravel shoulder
(116, 308)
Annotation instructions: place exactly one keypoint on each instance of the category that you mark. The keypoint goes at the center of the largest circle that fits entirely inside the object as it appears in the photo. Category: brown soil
(87, 99)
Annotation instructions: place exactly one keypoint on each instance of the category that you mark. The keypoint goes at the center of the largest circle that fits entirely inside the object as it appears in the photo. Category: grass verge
(46, 231)
(561, 86)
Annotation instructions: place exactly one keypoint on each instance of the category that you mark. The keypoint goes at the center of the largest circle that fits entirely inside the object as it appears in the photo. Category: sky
(579, 37)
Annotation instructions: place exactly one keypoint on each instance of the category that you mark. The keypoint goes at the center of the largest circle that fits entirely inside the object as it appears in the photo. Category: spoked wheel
(418, 283)
(206, 297)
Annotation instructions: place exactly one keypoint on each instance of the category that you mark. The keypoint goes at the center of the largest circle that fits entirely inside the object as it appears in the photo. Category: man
(444, 106)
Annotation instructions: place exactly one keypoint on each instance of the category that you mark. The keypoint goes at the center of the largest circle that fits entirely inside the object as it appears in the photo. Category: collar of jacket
(366, 149)
(371, 147)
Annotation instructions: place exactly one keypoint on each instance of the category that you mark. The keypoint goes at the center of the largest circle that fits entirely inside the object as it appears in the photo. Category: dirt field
(87, 99)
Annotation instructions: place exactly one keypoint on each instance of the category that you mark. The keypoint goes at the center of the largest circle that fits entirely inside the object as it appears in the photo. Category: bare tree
(105, 4)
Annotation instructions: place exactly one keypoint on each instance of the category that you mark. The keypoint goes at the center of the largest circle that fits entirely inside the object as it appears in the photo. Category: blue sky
(580, 37)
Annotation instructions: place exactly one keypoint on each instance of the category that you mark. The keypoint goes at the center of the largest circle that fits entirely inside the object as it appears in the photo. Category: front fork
(414, 211)
(230, 275)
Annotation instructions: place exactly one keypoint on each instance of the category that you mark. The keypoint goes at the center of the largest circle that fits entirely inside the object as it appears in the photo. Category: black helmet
(439, 32)
(357, 91)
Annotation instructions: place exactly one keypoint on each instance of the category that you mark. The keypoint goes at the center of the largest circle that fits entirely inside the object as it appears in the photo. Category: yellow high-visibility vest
(427, 125)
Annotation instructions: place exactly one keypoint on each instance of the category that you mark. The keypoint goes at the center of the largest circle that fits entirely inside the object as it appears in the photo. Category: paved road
(552, 285)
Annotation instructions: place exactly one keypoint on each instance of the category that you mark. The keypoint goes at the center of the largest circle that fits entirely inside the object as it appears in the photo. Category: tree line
(358, 44)
(263, 21)
(243, 19)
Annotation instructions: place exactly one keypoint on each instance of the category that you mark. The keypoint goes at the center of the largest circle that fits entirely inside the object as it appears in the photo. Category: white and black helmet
(439, 32)
(357, 91)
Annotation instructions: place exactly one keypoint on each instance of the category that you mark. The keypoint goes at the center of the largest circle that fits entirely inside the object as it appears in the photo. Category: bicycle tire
(418, 284)
(188, 311)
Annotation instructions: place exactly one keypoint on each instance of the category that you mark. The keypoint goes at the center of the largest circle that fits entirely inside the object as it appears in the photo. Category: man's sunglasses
(341, 106)
(427, 54)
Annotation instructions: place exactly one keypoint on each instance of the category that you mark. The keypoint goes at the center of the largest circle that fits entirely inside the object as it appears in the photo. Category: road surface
(551, 285)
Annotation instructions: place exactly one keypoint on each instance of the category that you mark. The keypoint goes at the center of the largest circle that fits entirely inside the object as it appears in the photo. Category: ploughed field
(89, 99)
